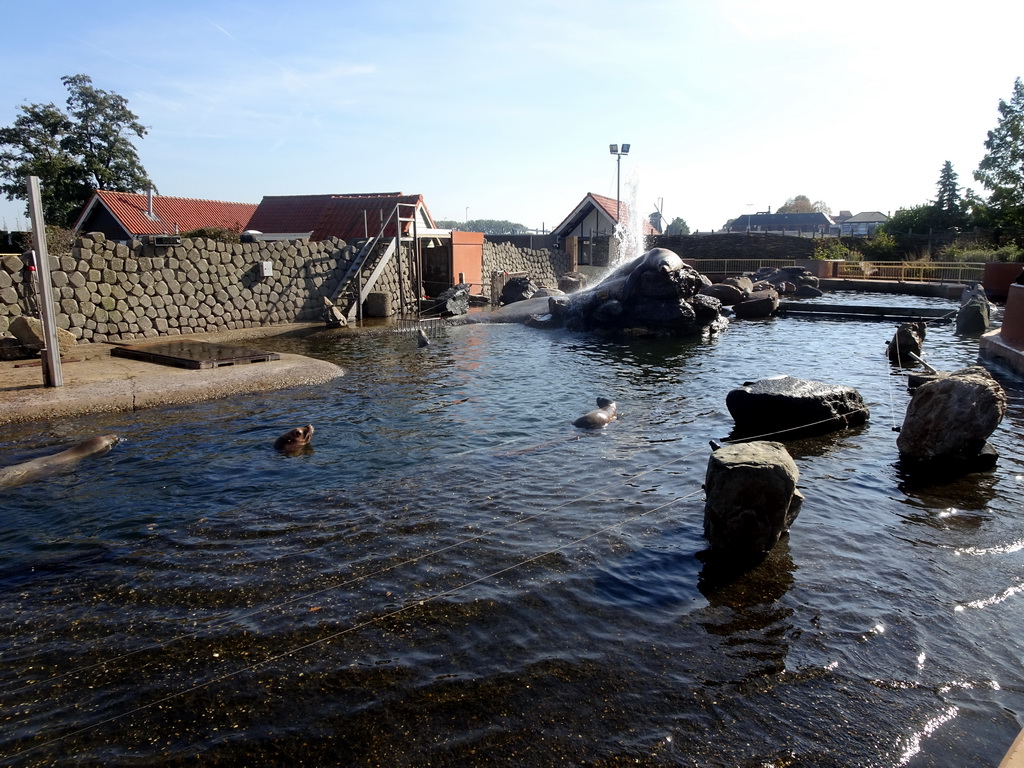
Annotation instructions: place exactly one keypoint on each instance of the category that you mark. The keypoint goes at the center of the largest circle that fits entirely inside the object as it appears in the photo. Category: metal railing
(912, 271)
(738, 266)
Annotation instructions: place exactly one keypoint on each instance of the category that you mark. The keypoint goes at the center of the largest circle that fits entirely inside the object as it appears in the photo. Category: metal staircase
(375, 255)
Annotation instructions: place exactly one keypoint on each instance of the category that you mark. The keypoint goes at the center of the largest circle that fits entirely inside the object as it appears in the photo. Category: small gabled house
(128, 215)
(587, 232)
(863, 224)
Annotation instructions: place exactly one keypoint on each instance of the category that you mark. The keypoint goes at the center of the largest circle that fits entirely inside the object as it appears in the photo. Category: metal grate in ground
(193, 354)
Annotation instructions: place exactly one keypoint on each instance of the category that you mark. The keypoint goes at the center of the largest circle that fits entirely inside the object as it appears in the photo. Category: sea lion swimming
(26, 472)
(599, 417)
(421, 338)
(295, 441)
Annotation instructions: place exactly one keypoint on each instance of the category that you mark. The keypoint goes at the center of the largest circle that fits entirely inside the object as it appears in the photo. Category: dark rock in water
(454, 301)
(949, 420)
(571, 282)
(752, 498)
(806, 291)
(517, 289)
(907, 342)
(744, 283)
(759, 304)
(973, 316)
(787, 407)
(728, 295)
(655, 294)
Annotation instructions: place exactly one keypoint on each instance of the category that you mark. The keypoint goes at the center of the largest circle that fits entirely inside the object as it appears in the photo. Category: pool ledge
(94, 381)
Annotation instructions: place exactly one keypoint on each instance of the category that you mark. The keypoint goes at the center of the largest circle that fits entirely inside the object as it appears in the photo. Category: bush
(834, 248)
(881, 247)
(222, 234)
(978, 252)
(58, 240)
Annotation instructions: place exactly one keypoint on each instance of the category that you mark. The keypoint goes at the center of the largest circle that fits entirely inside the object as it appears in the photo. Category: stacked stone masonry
(544, 266)
(109, 291)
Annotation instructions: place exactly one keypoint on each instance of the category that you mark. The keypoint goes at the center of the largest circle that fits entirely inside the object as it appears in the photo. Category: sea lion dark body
(655, 260)
(604, 413)
(295, 440)
(26, 472)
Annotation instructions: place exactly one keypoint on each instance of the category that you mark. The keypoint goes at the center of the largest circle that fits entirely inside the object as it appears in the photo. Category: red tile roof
(610, 207)
(607, 205)
(345, 216)
(171, 214)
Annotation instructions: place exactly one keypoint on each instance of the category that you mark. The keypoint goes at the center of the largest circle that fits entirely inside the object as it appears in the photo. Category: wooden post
(52, 374)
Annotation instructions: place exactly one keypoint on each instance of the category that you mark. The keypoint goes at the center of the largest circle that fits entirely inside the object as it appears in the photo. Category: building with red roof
(349, 217)
(127, 215)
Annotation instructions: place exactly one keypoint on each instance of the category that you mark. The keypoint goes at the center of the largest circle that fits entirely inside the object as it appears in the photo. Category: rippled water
(456, 576)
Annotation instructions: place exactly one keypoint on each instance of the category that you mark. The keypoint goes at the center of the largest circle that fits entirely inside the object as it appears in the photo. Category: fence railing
(912, 271)
(738, 266)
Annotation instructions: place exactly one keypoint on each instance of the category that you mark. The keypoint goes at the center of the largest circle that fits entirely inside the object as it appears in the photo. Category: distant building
(127, 215)
(782, 222)
(863, 224)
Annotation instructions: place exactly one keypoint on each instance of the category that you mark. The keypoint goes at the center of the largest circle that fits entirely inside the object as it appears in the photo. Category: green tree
(487, 226)
(798, 204)
(948, 199)
(678, 227)
(74, 151)
(1001, 171)
(917, 219)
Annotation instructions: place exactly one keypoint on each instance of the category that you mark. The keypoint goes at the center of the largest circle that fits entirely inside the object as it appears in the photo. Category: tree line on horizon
(89, 145)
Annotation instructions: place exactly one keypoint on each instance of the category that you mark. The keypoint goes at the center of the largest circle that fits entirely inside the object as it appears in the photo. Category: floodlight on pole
(614, 149)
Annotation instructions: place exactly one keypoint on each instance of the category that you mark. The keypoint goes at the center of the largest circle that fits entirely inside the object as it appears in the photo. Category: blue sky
(506, 111)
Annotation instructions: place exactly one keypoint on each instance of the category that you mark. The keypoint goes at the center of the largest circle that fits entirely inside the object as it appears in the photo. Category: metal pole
(618, 170)
(52, 374)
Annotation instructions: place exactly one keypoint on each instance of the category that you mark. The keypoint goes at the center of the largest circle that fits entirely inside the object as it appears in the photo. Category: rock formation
(786, 407)
(752, 498)
(949, 420)
(656, 294)
(907, 342)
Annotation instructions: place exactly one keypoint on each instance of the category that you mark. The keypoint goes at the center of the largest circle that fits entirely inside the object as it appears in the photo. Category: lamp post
(614, 149)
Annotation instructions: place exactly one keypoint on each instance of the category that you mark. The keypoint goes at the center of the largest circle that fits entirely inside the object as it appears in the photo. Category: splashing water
(629, 230)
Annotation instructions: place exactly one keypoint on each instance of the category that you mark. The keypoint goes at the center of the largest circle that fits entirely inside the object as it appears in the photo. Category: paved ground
(94, 381)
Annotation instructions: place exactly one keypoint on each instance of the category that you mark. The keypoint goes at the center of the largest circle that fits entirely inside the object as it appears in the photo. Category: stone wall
(543, 265)
(110, 291)
(107, 291)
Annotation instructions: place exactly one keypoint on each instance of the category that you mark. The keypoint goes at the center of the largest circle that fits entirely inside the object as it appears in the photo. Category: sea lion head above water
(296, 440)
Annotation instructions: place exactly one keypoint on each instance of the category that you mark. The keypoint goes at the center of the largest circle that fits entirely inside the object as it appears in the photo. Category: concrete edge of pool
(95, 381)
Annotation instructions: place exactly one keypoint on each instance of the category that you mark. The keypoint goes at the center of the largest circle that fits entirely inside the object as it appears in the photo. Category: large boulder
(517, 289)
(760, 303)
(726, 293)
(29, 333)
(655, 294)
(786, 407)
(752, 498)
(451, 302)
(907, 343)
(949, 420)
(973, 317)
(571, 282)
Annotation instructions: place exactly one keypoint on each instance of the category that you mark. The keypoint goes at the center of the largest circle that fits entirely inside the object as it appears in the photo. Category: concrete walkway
(96, 382)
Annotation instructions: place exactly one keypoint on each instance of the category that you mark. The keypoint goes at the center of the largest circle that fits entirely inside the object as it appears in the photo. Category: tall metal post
(618, 177)
(52, 374)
